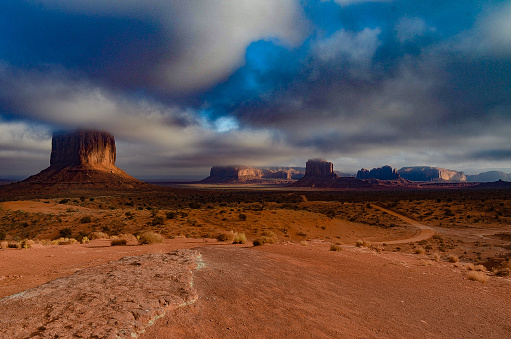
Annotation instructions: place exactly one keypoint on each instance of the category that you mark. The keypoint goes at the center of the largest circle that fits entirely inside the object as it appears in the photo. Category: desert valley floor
(430, 264)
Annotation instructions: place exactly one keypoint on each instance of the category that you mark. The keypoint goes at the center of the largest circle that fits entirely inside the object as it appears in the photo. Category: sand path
(423, 232)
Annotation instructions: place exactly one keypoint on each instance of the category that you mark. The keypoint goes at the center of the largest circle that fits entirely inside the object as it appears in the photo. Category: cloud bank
(187, 85)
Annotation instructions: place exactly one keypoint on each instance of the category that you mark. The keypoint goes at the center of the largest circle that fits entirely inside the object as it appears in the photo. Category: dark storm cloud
(188, 84)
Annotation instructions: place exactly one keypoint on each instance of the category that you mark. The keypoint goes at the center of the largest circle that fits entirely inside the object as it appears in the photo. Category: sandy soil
(298, 291)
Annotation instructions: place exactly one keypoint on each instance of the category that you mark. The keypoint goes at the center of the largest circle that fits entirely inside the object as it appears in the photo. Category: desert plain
(328, 263)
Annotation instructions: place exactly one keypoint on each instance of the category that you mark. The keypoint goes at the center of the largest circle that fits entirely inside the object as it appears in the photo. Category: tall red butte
(84, 158)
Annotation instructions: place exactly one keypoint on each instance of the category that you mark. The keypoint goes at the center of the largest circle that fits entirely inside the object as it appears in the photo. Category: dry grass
(335, 247)
(436, 256)
(361, 243)
(267, 237)
(150, 237)
(99, 235)
(27, 243)
(453, 258)
(477, 276)
(225, 236)
(119, 242)
(420, 250)
(239, 238)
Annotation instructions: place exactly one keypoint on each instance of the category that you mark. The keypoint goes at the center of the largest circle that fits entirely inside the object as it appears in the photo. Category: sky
(186, 85)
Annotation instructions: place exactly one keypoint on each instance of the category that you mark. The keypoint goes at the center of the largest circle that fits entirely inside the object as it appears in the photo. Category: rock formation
(381, 173)
(489, 176)
(425, 173)
(319, 168)
(84, 158)
(239, 173)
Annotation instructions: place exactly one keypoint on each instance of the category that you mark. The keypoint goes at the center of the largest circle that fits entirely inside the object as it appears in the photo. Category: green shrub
(150, 237)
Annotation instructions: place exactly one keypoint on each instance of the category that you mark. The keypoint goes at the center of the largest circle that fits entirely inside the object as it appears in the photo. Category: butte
(83, 159)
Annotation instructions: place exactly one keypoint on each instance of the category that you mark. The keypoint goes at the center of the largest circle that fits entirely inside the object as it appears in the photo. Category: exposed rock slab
(116, 300)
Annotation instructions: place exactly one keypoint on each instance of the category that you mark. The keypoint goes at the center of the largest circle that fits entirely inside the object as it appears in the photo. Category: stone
(119, 299)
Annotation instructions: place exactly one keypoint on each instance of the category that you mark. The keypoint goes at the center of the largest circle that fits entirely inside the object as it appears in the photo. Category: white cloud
(206, 39)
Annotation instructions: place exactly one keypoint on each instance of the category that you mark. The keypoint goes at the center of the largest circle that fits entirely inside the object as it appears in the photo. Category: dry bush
(150, 237)
(376, 248)
(361, 243)
(225, 236)
(64, 241)
(436, 256)
(477, 276)
(453, 258)
(27, 243)
(239, 238)
(119, 242)
(420, 250)
(85, 240)
(267, 237)
(335, 247)
(472, 267)
(13, 244)
(4, 244)
(99, 235)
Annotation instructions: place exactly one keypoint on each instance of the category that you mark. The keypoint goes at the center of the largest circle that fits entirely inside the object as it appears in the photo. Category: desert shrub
(82, 198)
(150, 237)
(170, 215)
(503, 272)
(13, 244)
(225, 236)
(239, 238)
(2, 235)
(27, 243)
(65, 232)
(477, 276)
(99, 235)
(361, 243)
(436, 256)
(64, 201)
(84, 240)
(158, 220)
(335, 247)
(64, 241)
(119, 241)
(85, 220)
(4, 244)
(453, 258)
(243, 217)
(472, 267)
(330, 214)
(420, 250)
(267, 237)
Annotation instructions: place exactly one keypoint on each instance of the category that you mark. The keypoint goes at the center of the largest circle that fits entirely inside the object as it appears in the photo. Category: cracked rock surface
(117, 299)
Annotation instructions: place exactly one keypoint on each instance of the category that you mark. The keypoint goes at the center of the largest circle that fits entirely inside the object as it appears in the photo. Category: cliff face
(426, 173)
(489, 176)
(83, 148)
(381, 173)
(84, 158)
(319, 168)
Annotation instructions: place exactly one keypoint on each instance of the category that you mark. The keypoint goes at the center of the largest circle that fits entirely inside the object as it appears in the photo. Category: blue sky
(186, 85)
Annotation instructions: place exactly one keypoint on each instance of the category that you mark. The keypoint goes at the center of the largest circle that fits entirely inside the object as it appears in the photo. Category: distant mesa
(84, 157)
(247, 174)
(382, 173)
(434, 174)
(490, 176)
(319, 168)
